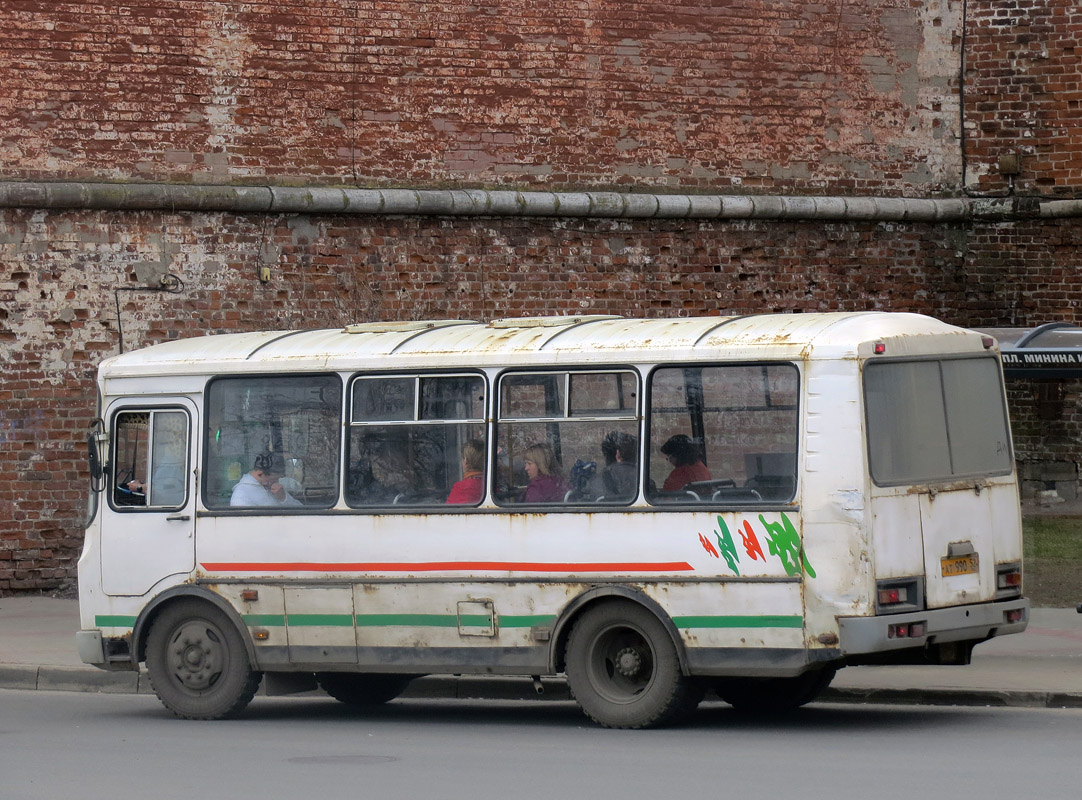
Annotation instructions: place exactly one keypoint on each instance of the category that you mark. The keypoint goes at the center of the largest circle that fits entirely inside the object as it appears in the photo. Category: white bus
(652, 507)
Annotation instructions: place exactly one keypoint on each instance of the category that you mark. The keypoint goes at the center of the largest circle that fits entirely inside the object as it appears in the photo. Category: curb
(999, 698)
(72, 679)
(461, 687)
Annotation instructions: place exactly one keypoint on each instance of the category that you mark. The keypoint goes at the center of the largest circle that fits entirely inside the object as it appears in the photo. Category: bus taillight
(906, 630)
(893, 596)
(1008, 580)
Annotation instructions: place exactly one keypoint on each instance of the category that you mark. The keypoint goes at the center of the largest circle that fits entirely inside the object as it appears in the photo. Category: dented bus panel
(653, 508)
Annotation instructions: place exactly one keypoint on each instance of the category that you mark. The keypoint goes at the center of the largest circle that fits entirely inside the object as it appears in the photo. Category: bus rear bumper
(944, 635)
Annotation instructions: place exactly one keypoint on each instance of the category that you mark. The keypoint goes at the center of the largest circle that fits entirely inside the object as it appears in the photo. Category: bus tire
(363, 689)
(623, 669)
(773, 695)
(197, 662)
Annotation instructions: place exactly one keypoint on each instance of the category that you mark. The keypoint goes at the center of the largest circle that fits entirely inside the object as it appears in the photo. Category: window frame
(113, 468)
(635, 415)
(349, 425)
(208, 427)
(939, 360)
(677, 503)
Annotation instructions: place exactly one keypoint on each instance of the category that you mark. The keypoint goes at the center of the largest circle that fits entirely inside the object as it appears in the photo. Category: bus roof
(547, 340)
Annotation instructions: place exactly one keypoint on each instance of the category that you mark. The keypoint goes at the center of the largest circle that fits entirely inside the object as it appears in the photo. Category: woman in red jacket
(471, 488)
(687, 460)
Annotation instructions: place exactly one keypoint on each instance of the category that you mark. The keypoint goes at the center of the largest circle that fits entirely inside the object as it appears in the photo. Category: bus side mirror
(95, 446)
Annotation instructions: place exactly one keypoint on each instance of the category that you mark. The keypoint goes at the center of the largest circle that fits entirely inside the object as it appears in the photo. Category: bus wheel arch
(607, 594)
(623, 667)
(177, 594)
(197, 659)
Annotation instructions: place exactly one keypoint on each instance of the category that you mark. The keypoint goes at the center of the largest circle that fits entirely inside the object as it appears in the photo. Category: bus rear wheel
(774, 694)
(624, 671)
(197, 662)
(363, 689)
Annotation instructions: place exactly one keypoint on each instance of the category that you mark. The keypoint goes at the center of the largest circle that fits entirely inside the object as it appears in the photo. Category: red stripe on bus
(451, 566)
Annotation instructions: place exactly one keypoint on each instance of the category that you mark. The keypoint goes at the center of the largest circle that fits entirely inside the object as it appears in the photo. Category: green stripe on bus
(469, 620)
(415, 620)
(265, 620)
(475, 620)
(387, 620)
(526, 621)
(114, 621)
(319, 620)
(766, 621)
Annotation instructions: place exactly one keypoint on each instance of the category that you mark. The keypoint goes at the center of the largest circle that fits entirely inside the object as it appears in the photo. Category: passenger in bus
(546, 479)
(470, 489)
(381, 475)
(261, 486)
(686, 457)
(620, 477)
(362, 488)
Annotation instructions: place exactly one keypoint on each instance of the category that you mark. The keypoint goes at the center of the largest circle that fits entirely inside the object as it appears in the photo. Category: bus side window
(568, 438)
(150, 458)
(408, 436)
(723, 434)
(276, 438)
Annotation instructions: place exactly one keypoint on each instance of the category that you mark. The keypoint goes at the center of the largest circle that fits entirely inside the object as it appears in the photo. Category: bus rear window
(936, 420)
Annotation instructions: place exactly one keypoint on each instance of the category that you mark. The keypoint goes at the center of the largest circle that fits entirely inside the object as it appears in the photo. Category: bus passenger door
(148, 521)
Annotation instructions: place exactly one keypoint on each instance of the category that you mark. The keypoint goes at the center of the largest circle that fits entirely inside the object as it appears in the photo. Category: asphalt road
(91, 746)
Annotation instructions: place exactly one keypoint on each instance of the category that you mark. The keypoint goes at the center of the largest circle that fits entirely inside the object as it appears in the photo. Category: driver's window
(150, 458)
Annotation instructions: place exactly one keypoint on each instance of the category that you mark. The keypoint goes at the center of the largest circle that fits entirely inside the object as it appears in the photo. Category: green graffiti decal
(727, 547)
(785, 543)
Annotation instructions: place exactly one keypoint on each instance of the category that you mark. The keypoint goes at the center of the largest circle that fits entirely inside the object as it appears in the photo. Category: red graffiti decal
(708, 547)
(751, 542)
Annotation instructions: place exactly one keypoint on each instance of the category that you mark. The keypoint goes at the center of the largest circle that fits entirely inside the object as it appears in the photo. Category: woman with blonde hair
(471, 488)
(546, 481)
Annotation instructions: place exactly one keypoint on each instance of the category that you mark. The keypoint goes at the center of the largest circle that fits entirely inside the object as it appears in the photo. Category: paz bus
(653, 508)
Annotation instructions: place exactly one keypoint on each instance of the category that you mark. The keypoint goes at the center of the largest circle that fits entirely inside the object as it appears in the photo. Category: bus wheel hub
(628, 662)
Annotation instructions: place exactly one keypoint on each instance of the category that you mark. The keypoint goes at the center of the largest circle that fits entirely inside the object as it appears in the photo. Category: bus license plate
(958, 565)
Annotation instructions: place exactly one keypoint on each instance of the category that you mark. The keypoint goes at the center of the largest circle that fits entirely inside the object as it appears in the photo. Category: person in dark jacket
(620, 477)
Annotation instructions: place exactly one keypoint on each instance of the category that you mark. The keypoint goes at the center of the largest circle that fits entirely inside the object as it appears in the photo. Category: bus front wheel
(197, 662)
(623, 669)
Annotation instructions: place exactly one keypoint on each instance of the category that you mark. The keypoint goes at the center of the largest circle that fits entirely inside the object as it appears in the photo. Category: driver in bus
(262, 486)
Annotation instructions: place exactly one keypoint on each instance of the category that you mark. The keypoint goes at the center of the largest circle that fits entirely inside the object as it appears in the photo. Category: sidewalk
(1039, 668)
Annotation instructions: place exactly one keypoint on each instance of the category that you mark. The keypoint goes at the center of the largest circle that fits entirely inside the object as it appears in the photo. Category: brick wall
(746, 96)
(1024, 95)
(62, 270)
(753, 94)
